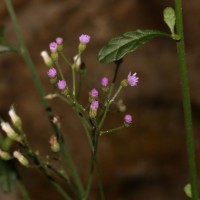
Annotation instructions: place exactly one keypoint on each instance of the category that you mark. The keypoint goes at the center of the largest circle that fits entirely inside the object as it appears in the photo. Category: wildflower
(128, 120)
(4, 155)
(62, 84)
(84, 40)
(53, 47)
(47, 59)
(132, 79)
(93, 109)
(17, 122)
(104, 81)
(9, 131)
(59, 42)
(93, 94)
(52, 72)
(55, 147)
(21, 158)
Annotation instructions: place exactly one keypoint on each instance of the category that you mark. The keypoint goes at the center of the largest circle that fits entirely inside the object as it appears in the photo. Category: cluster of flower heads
(56, 47)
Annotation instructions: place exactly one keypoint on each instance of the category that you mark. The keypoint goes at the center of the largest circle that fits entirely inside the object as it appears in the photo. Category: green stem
(186, 100)
(59, 71)
(65, 58)
(23, 190)
(73, 169)
(111, 130)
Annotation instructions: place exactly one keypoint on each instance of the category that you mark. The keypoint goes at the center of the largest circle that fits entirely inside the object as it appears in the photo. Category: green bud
(82, 47)
(124, 83)
(188, 190)
(4, 155)
(55, 146)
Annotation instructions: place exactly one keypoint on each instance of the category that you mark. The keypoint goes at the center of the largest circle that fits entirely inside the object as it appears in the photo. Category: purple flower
(132, 79)
(128, 119)
(94, 105)
(104, 81)
(59, 40)
(94, 93)
(52, 72)
(84, 39)
(53, 46)
(61, 84)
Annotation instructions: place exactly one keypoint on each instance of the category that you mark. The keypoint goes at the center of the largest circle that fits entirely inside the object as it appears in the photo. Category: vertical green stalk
(23, 190)
(186, 100)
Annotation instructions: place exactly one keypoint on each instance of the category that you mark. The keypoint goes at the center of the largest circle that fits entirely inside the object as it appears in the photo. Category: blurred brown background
(147, 160)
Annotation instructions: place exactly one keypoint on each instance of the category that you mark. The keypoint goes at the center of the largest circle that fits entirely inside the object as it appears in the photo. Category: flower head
(53, 46)
(104, 81)
(59, 40)
(94, 105)
(52, 72)
(94, 93)
(62, 84)
(93, 109)
(128, 120)
(132, 79)
(84, 39)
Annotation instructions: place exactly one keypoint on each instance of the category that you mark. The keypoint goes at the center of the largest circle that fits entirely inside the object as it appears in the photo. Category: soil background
(147, 160)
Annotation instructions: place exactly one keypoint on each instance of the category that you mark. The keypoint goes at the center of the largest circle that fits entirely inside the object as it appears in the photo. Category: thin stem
(186, 100)
(111, 130)
(23, 189)
(59, 70)
(73, 169)
(65, 58)
(116, 94)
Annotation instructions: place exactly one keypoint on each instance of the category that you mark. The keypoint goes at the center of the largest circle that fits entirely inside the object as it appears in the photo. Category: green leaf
(8, 176)
(188, 191)
(117, 47)
(170, 18)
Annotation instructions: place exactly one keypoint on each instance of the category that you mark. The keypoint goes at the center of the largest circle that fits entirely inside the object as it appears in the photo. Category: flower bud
(59, 42)
(128, 120)
(93, 95)
(50, 96)
(121, 106)
(17, 122)
(21, 158)
(77, 62)
(93, 109)
(124, 83)
(55, 146)
(4, 155)
(84, 40)
(47, 59)
(9, 131)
